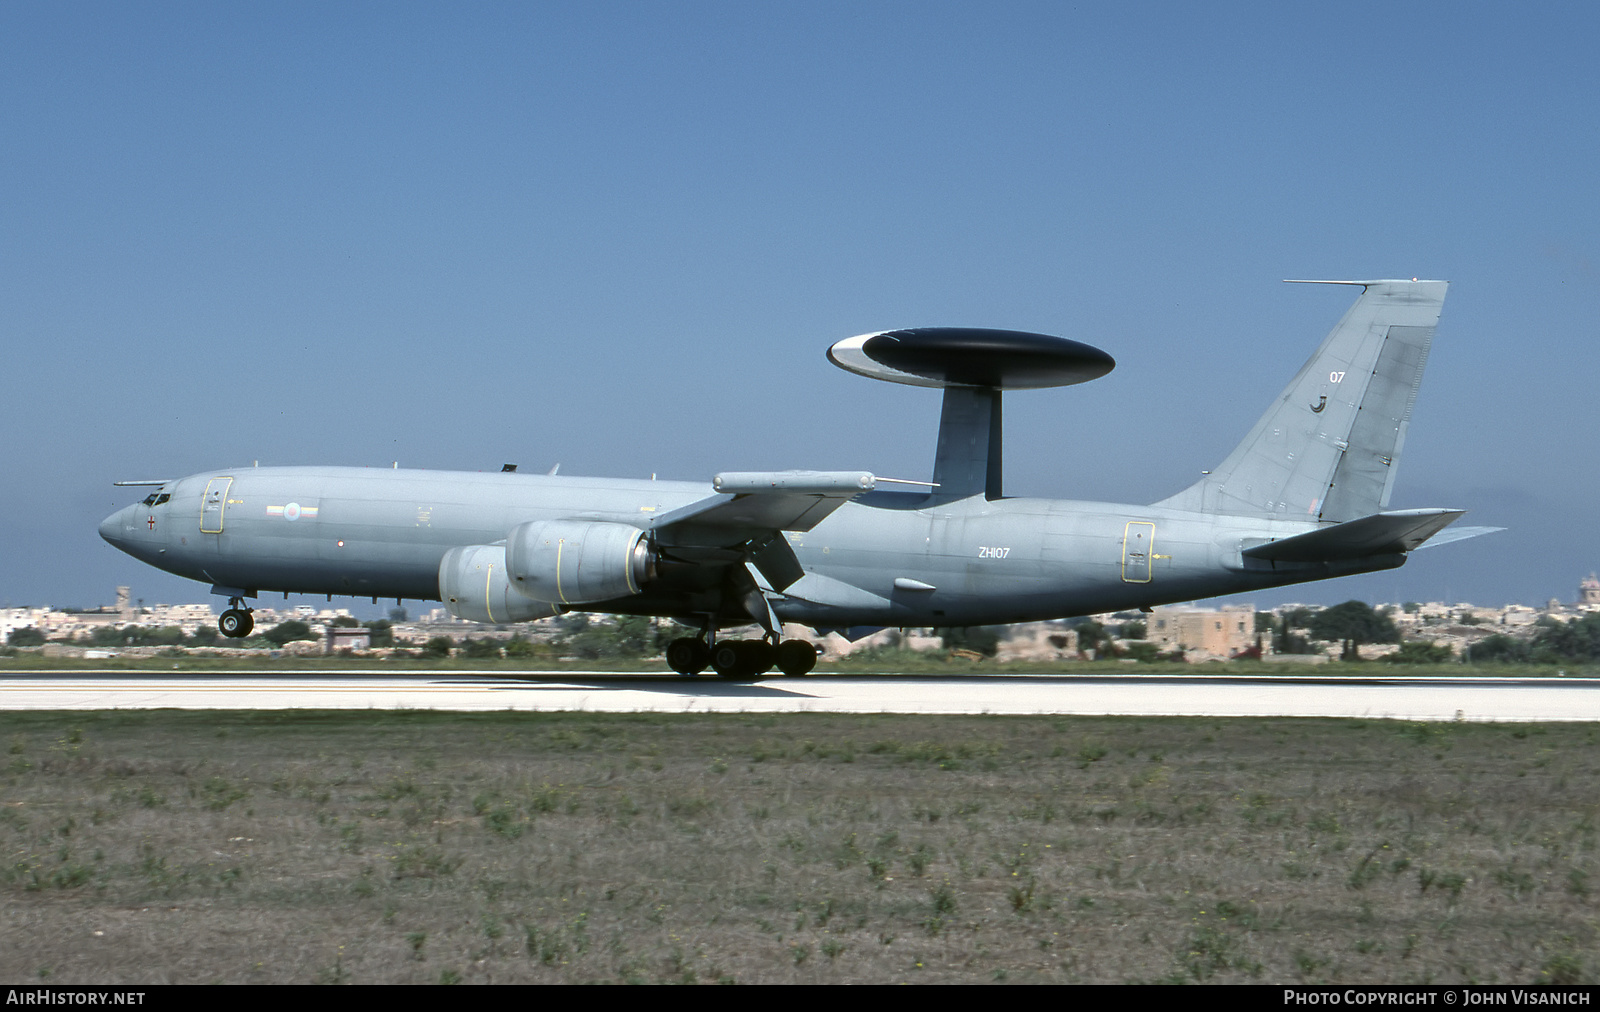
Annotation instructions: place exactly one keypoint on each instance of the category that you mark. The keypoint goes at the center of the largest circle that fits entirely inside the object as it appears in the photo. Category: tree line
(1351, 624)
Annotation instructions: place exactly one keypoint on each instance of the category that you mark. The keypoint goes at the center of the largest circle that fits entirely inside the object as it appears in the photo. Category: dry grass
(421, 847)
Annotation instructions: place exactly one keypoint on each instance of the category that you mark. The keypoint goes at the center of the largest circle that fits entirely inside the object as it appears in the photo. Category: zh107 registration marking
(993, 553)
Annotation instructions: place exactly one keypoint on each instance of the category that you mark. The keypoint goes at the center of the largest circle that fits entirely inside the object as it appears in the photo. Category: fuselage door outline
(214, 504)
(1138, 541)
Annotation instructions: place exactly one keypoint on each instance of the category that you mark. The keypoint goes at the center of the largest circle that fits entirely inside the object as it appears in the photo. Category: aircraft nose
(114, 527)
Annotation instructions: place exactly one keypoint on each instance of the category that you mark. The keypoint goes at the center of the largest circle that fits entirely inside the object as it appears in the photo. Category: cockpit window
(156, 498)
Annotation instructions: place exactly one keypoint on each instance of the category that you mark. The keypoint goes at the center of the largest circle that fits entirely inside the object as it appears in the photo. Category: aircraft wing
(755, 505)
(1388, 533)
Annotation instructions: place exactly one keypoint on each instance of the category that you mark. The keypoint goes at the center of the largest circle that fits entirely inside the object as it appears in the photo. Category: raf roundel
(971, 357)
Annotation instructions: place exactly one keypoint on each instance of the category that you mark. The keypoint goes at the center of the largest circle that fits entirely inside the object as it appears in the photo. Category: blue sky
(620, 236)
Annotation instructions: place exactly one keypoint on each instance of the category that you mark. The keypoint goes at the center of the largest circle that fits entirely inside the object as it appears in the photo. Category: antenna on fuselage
(973, 367)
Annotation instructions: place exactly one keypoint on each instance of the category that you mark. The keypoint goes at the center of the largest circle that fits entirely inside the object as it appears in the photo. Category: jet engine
(474, 585)
(578, 561)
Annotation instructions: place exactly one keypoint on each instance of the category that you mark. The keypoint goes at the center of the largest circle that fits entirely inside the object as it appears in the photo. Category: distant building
(343, 637)
(1518, 614)
(1589, 592)
(1220, 632)
(1038, 641)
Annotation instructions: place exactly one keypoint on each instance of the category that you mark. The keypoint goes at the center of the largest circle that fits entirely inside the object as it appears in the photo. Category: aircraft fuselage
(885, 559)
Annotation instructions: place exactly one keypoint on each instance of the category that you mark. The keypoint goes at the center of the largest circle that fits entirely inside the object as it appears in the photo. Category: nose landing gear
(236, 623)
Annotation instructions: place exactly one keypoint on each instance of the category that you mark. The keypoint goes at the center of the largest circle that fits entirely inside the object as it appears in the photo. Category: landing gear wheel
(796, 657)
(726, 658)
(762, 655)
(742, 660)
(236, 624)
(688, 656)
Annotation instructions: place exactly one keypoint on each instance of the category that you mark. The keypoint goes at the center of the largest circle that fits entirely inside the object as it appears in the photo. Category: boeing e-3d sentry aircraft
(1303, 497)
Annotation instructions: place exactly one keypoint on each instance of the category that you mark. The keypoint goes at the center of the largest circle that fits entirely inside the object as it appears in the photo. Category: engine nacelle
(474, 585)
(578, 561)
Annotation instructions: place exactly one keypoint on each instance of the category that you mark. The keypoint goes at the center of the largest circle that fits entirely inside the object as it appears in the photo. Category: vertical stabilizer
(1328, 446)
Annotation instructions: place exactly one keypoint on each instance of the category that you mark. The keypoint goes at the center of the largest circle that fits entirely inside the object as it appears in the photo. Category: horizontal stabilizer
(1379, 534)
(1458, 534)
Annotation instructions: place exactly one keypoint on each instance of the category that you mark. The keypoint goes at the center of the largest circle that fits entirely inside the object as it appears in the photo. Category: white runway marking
(1570, 699)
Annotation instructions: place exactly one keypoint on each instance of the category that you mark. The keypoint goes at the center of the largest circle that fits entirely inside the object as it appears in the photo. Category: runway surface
(1413, 698)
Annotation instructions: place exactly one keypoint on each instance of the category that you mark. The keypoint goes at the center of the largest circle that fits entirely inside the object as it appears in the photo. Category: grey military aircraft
(1303, 497)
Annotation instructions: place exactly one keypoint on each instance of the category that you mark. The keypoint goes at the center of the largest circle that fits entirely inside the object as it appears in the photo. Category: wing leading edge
(752, 505)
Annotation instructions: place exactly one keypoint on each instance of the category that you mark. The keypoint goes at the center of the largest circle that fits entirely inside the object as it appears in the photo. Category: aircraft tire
(727, 659)
(796, 657)
(688, 656)
(741, 660)
(762, 656)
(235, 624)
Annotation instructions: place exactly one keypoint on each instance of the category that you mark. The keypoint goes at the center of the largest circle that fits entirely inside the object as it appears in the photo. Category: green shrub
(287, 632)
(1421, 653)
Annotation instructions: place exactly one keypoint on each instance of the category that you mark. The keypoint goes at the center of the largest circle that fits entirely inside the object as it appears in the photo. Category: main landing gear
(740, 660)
(236, 623)
(688, 656)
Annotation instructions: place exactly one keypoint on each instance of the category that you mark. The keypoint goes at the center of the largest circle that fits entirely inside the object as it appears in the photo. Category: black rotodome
(1006, 359)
